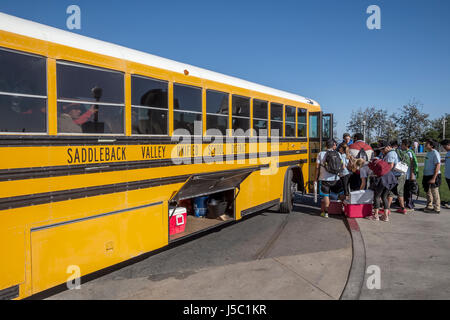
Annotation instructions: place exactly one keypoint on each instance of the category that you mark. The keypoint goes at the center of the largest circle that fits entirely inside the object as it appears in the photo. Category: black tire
(288, 194)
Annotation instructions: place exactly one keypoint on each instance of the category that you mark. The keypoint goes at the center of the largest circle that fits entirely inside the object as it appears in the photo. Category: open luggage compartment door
(217, 185)
(207, 183)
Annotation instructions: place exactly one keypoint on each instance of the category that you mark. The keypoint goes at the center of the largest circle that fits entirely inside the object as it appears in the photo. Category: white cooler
(361, 197)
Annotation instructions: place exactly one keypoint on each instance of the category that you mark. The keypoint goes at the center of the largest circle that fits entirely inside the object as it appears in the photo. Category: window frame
(147, 107)
(5, 93)
(227, 116)
(277, 121)
(250, 125)
(254, 118)
(92, 67)
(186, 111)
(305, 123)
(286, 106)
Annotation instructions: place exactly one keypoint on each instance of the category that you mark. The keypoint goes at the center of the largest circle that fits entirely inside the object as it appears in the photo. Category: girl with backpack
(382, 183)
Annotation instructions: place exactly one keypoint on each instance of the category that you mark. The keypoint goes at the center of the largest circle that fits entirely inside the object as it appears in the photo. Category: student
(359, 150)
(381, 186)
(446, 144)
(346, 139)
(325, 178)
(411, 175)
(345, 174)
(432, 177)
(391, 157)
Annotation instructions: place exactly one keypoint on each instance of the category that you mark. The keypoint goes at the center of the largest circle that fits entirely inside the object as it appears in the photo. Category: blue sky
(316, 48)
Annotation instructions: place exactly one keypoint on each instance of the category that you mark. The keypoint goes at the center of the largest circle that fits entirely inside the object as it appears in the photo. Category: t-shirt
(409, 153)
(345, 161)
(392, 157)
(431, 160)
(364, 172)
(324, 174)
(447, 165)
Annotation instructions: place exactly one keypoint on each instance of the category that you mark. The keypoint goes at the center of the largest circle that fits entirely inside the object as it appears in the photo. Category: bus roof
(40, 31)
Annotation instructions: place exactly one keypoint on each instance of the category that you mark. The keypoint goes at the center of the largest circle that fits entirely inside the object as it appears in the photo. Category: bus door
(327, 128)
(320, 130)
(315, 138)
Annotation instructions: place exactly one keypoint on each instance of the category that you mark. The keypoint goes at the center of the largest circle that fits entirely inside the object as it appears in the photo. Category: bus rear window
(23, 92)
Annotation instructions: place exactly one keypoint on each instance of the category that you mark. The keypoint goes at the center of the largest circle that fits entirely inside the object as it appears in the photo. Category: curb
(355, 280)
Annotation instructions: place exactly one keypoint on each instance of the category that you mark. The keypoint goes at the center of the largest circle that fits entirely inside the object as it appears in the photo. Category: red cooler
(358, 210)
(177, 222)
(335, 207)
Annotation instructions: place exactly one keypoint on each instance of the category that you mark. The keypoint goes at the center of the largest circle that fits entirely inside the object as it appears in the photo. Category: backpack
(379, 167)
(362, 155)
(333, 162)
(415, 165)
(402, 156)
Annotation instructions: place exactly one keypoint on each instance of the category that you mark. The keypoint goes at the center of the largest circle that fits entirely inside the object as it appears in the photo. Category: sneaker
(402, 210)
(385, 218)
(324, 214)
(447, 206)
(428, 210)
(437, 211)
(373, 218)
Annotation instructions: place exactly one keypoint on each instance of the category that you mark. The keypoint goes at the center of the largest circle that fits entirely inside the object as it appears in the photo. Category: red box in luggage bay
(335, 207)
(358, 210)
(177, 222)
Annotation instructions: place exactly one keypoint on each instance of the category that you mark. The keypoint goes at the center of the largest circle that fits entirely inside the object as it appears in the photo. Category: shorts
(400, 187)
(325, 187)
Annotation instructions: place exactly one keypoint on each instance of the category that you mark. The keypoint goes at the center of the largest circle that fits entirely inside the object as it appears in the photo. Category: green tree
(435, 129)
(370, 115)
(411, 121)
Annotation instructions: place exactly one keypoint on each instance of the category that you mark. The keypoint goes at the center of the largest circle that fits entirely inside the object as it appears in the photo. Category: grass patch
(443, 189)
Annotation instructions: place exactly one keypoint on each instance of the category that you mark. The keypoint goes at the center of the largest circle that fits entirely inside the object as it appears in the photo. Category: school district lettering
(92, 155)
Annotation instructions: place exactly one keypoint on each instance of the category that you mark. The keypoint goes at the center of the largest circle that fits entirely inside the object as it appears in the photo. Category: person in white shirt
(326, 179)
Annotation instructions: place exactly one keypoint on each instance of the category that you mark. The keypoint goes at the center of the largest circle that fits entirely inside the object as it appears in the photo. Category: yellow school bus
(99, 142)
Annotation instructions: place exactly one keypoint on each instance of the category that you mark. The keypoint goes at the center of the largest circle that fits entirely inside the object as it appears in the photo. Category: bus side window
(149, 106)
(301, 123)
(187, 109)
(23, 92)
(241, 115)
(260, 117)
(289, 121)
(216, 112)
(276, 119)
(90, 99)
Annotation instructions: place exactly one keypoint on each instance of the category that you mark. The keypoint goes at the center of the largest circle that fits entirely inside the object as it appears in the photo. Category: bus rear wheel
(288, 195)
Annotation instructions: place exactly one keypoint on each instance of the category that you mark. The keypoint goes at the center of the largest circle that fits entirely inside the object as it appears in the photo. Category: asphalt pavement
(268, 255)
